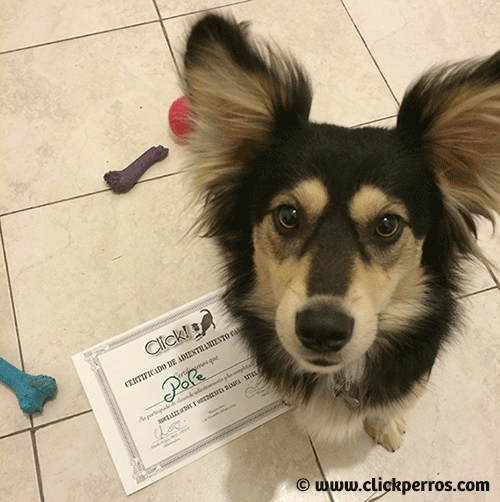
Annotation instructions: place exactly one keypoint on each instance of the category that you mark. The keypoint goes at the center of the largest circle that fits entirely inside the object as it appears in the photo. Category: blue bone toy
(31, 391)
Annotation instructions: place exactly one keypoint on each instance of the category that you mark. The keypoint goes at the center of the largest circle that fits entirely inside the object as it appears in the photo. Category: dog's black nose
(323, 328)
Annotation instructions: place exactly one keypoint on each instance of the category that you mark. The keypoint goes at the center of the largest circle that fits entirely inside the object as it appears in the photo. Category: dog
(207, 322)
(341, 247)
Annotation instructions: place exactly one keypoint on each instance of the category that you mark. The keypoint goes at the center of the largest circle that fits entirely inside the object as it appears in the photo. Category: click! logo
(206, 322)
(185, 333)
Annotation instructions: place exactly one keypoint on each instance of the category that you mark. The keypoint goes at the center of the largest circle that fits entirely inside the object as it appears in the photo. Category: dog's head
(333, 234)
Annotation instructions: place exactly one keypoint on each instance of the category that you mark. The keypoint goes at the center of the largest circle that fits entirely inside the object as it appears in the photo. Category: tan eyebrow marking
(310, 194)
(369, 202)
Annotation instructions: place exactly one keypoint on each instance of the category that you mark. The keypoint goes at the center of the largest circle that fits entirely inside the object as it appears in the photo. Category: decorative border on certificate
(156, 442)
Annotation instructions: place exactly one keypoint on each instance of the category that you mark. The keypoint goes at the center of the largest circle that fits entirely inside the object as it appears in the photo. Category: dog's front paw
(388, 433)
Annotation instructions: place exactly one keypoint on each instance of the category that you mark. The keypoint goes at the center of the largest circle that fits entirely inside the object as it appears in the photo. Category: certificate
(173, 389)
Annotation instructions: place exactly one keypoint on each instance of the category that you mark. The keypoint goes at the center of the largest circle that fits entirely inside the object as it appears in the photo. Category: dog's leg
(386, 425)
(387, 432)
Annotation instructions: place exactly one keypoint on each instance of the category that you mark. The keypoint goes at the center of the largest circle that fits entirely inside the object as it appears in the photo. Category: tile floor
(84, 88)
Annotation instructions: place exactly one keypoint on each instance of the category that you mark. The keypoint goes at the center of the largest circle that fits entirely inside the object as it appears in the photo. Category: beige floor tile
(73, 111)
(407, 37)
(348, 89)
(17, 470)
(101, 265)
(25, 23)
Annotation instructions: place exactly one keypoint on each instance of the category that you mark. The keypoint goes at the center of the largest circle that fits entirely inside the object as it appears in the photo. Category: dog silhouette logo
(201, 328)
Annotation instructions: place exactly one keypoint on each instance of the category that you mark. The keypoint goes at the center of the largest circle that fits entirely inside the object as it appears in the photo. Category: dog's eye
(388, 225)
(287, 217)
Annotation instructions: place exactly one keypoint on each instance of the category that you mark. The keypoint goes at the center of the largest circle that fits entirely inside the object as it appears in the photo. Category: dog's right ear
(238, 92)
(239, 95)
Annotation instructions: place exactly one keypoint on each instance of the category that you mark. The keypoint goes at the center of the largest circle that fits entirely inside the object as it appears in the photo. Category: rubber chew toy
(123, 181)
(31, 391)
(180, 118)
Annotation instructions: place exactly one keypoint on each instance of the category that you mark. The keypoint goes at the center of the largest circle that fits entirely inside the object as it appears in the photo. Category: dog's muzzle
(323, 328)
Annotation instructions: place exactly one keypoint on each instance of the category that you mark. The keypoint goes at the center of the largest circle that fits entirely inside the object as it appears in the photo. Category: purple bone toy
(31, 391)
(123, 181)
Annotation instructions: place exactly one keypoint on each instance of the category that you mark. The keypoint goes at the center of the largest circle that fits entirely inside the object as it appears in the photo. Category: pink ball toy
(180, 118)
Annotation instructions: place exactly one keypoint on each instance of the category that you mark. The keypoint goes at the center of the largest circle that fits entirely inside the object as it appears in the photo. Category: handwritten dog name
(174, 383)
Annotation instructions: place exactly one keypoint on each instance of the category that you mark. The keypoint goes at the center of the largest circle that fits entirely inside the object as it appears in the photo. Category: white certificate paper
(173, 389)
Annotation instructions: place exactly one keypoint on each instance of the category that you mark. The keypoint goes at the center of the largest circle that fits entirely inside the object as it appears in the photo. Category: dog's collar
(340, 387)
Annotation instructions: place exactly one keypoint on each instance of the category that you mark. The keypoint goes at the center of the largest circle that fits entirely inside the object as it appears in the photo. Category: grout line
(88, 194)
(11, 295)
(320, 467)
(370, 53)
(169, 45)
(55, 202)
(15, 433)
(207, 9)
(37, 466)
(193, 13)
(493, 276)
(371, 122)
(165, 34)
(63, 419)
(36, 428)
(78, 37)
(485, 290)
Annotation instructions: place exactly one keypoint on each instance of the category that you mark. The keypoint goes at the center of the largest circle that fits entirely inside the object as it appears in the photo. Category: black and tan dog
(342, 247)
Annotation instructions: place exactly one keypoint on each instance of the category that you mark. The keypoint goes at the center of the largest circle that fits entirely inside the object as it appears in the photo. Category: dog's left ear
(452, 114)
